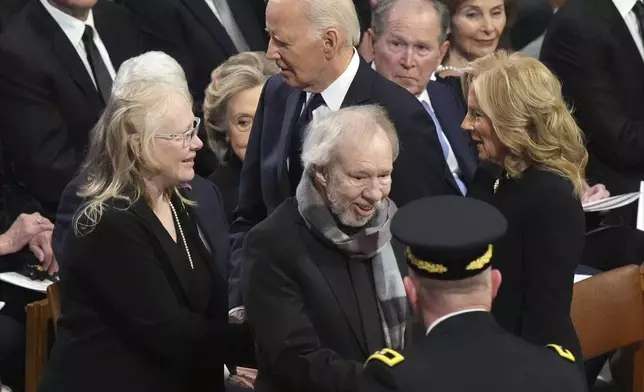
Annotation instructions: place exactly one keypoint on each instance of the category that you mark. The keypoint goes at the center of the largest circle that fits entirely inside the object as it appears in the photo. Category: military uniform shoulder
(562, 352)
(387, 356)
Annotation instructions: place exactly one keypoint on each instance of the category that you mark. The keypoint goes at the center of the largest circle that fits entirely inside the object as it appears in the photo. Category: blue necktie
(444, 144)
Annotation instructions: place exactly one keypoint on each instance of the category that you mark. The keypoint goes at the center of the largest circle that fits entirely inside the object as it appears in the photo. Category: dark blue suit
(419, 171)
(450, 112)
(209, 214)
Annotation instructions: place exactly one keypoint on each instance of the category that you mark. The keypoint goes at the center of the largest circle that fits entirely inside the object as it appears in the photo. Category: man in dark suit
(322, 281)
(200, 35)
(409, 42)
(320, 72)
(451, 284)
(58, 61)
(596, 49)
(8, 8)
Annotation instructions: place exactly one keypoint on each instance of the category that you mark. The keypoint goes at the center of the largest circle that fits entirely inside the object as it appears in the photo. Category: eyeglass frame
(187, 136)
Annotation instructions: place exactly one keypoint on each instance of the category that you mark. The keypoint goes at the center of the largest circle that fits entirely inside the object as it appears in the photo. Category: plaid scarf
(373, 241)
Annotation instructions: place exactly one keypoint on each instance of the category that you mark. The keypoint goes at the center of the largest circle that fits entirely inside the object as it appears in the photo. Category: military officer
(451, 285)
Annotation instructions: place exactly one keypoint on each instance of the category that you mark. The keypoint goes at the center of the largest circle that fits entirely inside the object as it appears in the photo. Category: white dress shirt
(211, 5)
(625, 8)
(440, 320)
(335, 93)
(452, 162)
(74, 30)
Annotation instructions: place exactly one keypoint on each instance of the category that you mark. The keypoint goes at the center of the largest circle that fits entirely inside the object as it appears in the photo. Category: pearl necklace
(445, 68)
(183, 238)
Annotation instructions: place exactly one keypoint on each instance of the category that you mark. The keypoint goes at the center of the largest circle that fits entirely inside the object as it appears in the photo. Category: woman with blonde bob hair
(229, 108)
(144, 305)
(533, 171)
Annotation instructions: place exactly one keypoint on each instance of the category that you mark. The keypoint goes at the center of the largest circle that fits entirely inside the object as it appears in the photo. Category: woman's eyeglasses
(185, 137)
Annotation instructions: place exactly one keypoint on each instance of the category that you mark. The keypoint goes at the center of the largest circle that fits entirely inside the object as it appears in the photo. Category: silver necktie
(228, 21)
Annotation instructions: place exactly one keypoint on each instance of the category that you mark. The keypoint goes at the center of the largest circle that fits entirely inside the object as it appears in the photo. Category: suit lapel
(335, 269)
(447, 113)
(65, 52)
(294, 104)
(210, 22)
(360, 89)
(169, 247)
(361, 277)
(622, 35)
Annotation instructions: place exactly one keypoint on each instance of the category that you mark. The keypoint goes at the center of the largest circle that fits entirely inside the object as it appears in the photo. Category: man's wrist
(6, 244)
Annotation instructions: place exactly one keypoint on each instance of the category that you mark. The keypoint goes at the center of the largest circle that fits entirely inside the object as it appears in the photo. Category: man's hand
(22, 231)
(594, 193)
(244, 378)
(40, 246)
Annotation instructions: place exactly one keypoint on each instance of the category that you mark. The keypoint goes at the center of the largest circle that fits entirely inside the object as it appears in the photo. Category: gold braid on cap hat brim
(435, 268)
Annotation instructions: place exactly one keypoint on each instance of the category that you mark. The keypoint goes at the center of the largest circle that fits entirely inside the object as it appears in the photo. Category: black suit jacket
(589, 47)
(227, 180)
(49, 101)
(470, 352)
(190, 32)
(313, 311)
(209, 214)
(129, 320)
(447, 104)
(420, 169)
(538, 255)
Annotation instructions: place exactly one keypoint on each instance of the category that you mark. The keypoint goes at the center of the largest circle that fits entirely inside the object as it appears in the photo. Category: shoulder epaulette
(562, 352)
(387, 356)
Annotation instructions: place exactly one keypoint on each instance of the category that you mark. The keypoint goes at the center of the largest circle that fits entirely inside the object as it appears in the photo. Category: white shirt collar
(335, 93)
(624, 6)
(72, 27)
(424, 97)
(440, 320)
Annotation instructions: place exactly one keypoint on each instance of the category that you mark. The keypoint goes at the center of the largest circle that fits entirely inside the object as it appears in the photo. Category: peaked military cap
(448, 237)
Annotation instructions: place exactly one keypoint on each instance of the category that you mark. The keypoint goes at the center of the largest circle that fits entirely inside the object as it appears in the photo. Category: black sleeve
(250, 207)
(575, 55)
(33, 132)
(117, 266)
(379, 377)
(284, 334)
(553, 240)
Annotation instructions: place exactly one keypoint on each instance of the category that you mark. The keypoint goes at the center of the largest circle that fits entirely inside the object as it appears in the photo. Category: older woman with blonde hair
(534, 173)
(229, 108)
(144, 304)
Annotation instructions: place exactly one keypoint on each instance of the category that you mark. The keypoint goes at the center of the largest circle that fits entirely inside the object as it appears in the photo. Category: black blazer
(209, 214)
(589, 47)
(420, 169)
(538, 255)
(129, 316)
(190, 32)
(313, 311)
(227, 180)
(447, 103)
(49, 103)
(470, 352)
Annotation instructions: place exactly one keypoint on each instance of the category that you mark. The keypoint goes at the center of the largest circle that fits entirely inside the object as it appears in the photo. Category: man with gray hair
(322, 280)
(313, 42)
(409, 40)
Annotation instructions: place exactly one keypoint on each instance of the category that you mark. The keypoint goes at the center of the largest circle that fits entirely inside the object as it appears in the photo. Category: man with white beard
(322, 282)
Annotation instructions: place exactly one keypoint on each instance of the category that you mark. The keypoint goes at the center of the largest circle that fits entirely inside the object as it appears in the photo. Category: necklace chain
(183, 237)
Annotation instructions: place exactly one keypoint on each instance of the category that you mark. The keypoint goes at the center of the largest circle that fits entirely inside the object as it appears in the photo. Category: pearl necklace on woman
(183, 237)
(445, 68)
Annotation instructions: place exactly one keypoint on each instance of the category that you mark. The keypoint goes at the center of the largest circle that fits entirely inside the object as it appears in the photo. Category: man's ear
(331, 42)
(412, 293)
(321, 175)
(496, 278)
(444, 48)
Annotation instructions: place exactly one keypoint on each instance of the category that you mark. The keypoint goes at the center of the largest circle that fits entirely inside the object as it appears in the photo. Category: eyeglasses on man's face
(185, 137)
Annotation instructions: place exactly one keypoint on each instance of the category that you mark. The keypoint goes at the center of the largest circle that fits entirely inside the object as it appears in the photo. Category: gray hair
(148, 68)
(380, 15)
(326, 133)
(338, 14)
(238, 73)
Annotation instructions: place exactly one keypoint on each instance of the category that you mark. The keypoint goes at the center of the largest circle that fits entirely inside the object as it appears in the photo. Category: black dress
(538, 256)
